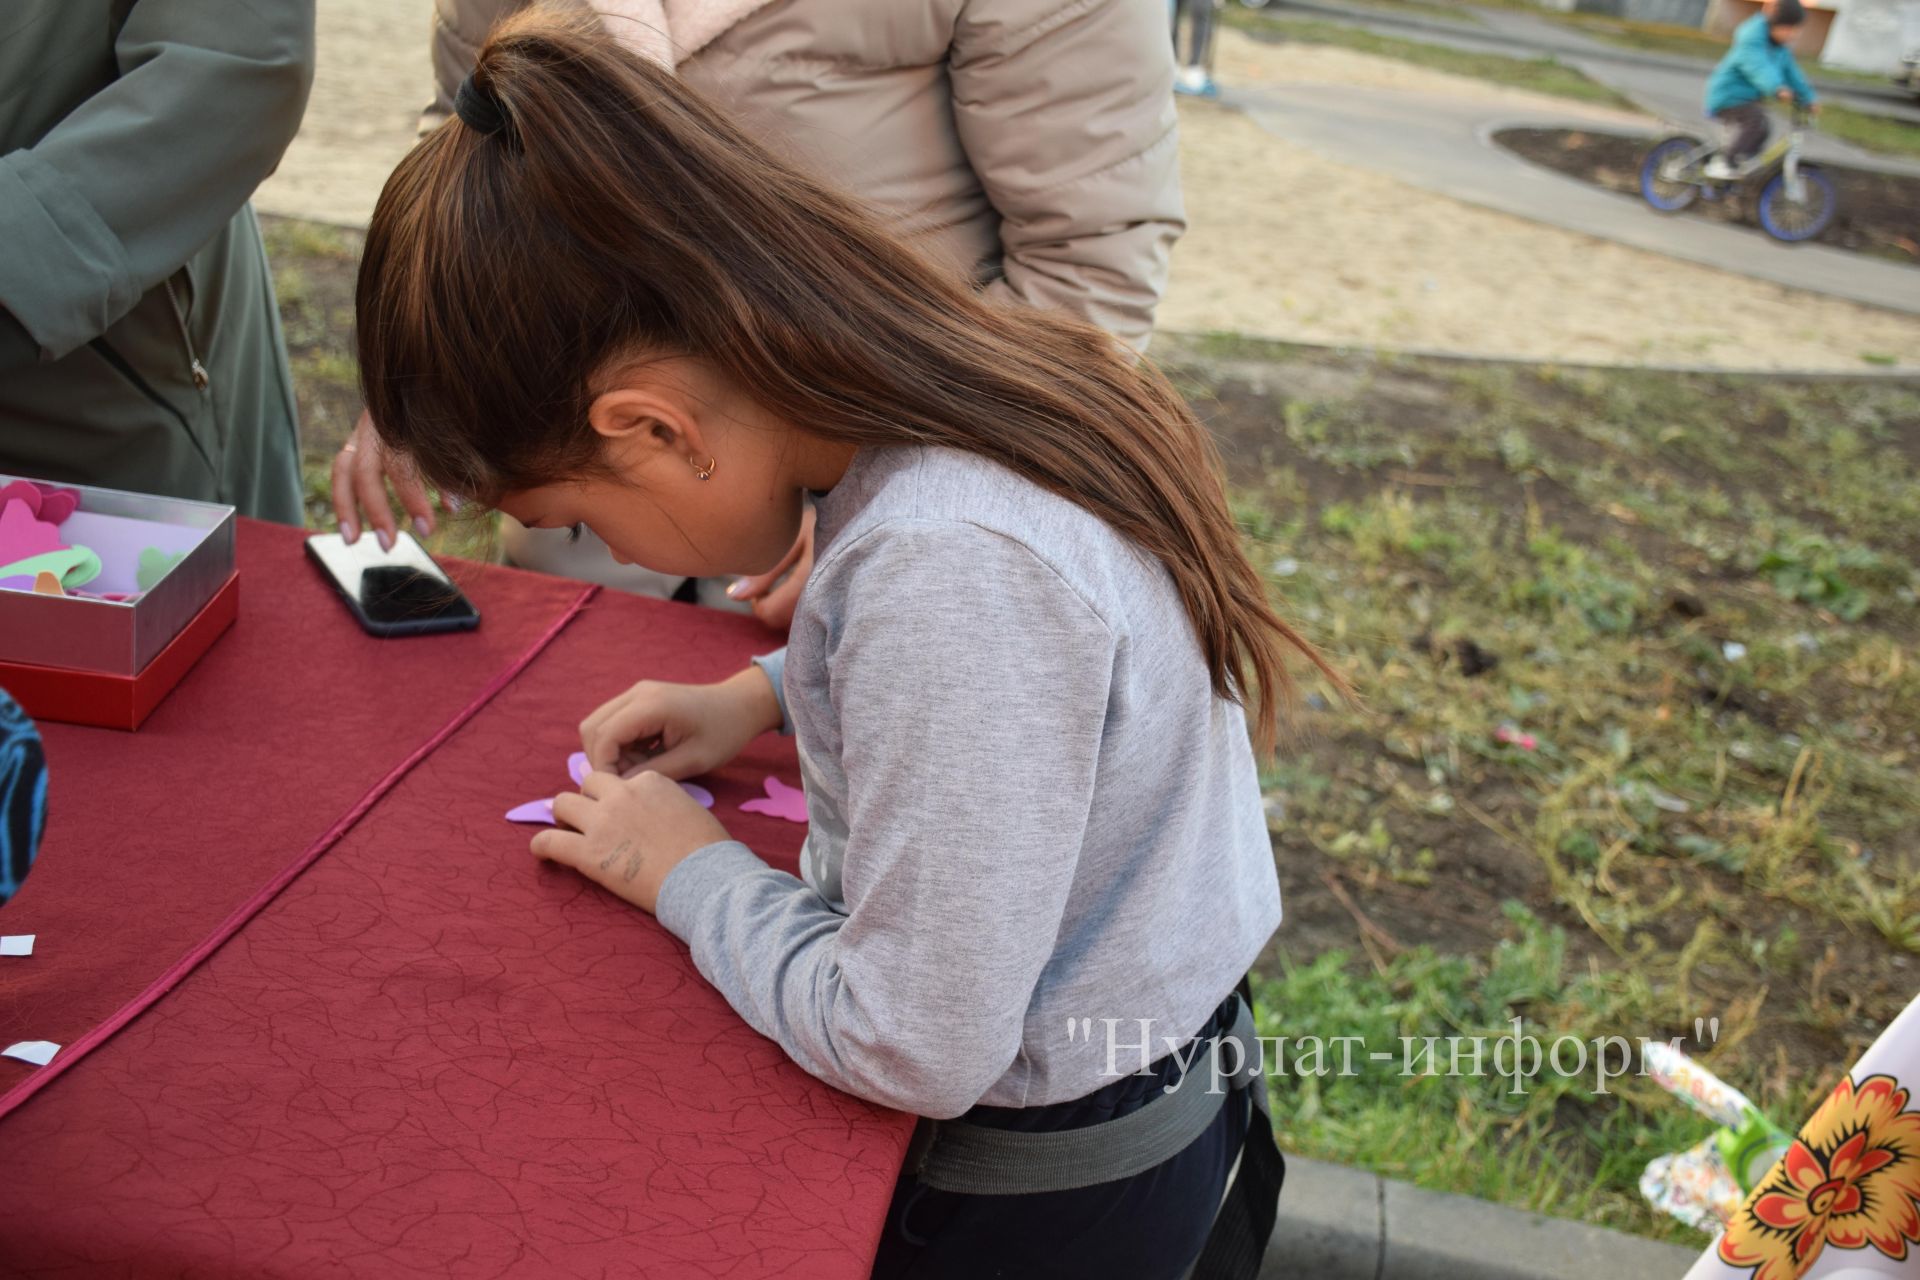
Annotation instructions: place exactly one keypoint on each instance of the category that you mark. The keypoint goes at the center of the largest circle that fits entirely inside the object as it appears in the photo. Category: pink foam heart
(23, 491)
(782, 801)
(22, 534)
(57, 504)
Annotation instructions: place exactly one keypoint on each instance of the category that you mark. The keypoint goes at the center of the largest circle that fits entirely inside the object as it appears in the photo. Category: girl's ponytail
(613, 216)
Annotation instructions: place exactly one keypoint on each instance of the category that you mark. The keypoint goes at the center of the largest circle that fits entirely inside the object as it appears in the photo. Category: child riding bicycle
(1758, 65)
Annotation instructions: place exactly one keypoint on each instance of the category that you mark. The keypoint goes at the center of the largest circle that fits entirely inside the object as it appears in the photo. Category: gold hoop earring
(706, 472)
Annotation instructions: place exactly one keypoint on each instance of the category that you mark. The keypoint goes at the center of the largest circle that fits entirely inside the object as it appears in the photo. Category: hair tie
(479, 110)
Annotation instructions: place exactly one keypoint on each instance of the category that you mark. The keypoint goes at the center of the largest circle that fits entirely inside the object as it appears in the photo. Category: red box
(115, 701)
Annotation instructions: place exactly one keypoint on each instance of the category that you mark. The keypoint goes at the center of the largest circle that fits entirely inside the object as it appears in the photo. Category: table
(324, 1015)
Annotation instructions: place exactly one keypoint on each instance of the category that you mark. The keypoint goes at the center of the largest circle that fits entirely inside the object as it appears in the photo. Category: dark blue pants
(1748, 129)
(1147, 1227)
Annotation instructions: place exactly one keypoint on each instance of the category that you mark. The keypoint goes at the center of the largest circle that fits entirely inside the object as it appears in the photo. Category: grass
(1697, 595)
(1422, 8)
(1541, 75)
(1654, 37)
(1874, 133)
(1696, 598)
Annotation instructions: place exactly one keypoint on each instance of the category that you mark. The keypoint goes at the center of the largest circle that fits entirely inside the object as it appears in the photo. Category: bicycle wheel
(1785, 218)
(1660, 180)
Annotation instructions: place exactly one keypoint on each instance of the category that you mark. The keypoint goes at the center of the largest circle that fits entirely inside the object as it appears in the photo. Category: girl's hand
(628, 833)
(680, 730)
(361, 472)
(776, 594)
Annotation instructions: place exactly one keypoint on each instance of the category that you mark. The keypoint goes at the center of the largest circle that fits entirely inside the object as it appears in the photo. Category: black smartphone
(401, 592)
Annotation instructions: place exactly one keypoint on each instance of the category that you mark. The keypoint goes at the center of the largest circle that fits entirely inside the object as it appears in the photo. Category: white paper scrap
(38, 1052)
(17, 944)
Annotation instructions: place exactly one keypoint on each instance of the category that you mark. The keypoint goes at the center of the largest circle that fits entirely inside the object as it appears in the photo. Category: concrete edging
(1368, 351)
(1338, 1223)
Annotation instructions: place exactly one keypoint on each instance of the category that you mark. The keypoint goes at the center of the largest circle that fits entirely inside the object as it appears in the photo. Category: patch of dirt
(1876, 214)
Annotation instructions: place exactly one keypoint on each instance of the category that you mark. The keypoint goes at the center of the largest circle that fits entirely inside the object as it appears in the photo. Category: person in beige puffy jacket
(1030, 144)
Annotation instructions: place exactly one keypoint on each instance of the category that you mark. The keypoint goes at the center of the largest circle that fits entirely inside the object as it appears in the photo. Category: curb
(1338, 1223)
(1182, 340)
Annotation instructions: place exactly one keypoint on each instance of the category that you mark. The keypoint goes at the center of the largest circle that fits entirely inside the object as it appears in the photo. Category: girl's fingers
(556, 845)
(370, 488)
(752, 588)
(599, 785)
(636, 720)
(676, 762)
(573, 809)
(345, 511)
(597, 717)
(760, 583)
(412, 494)
(776, 607)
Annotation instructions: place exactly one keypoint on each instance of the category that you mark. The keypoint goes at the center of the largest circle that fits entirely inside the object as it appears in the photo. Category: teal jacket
(1754, 69)
(140, 345)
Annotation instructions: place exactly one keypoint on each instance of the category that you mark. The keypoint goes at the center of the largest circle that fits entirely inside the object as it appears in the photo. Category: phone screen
(393, 591)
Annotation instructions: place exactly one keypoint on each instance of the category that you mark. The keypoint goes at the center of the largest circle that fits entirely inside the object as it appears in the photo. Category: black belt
(973, 1159)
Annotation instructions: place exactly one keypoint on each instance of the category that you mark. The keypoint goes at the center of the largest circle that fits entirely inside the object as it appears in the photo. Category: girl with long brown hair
(1020, 677)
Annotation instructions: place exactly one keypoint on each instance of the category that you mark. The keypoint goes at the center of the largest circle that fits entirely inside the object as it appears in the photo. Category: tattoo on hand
(607, 862)
(633, 864)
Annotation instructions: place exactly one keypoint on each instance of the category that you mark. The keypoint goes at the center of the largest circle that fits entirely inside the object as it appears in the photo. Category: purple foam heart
(578, 769)
(540, 811)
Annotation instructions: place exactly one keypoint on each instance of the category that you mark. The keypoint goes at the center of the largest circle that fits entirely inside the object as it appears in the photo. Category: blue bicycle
(1792, 200)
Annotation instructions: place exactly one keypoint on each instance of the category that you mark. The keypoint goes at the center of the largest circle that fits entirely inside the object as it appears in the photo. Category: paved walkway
(1441, 144)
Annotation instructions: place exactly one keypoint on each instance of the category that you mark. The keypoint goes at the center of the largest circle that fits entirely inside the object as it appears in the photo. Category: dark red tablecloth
(425, 1053)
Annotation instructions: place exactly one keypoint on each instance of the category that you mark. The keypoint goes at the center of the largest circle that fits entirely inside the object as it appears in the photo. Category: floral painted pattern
(1851, 1180)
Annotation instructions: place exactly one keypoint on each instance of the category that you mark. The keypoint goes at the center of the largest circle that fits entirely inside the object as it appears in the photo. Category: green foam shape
(74, 566)
(155, 565)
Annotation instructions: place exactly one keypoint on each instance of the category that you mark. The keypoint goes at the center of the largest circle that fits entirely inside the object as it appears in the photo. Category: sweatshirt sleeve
(774, 667)
(971, 684)
(1066, 113)
(1796, 79)
(142, 174)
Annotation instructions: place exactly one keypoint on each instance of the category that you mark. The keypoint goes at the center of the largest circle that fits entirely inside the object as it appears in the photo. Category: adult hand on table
(680, 730)
(774, 596)
(627, 833)
(361, 472)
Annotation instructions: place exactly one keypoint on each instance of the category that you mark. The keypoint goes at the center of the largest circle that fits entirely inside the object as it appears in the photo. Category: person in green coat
(140, 342)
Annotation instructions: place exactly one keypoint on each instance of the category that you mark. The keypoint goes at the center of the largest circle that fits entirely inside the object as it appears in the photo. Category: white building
(1872, 35)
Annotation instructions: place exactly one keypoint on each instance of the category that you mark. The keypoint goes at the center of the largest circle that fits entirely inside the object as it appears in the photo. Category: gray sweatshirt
(1026, 806)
